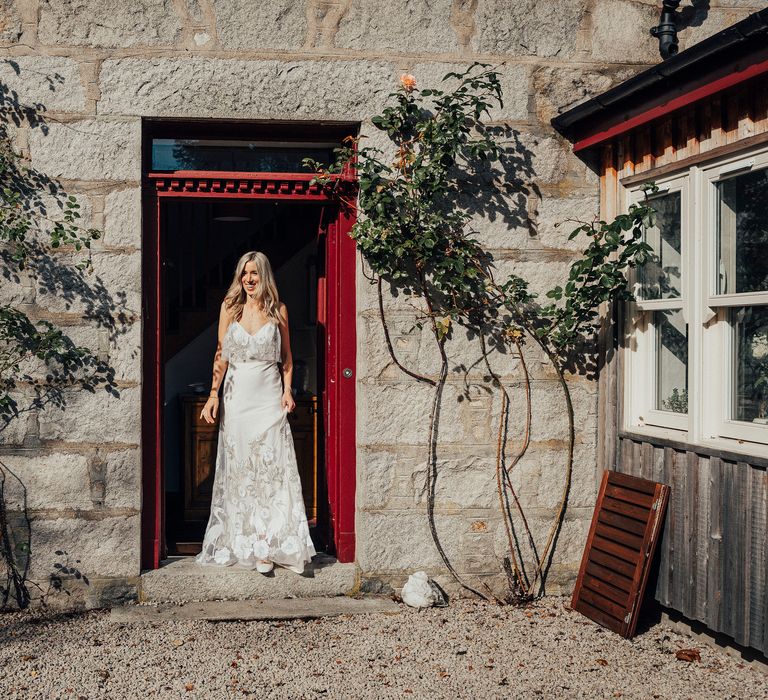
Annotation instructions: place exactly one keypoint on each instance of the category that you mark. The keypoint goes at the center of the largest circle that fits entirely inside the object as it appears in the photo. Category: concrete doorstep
(266, 609)
(183, 580)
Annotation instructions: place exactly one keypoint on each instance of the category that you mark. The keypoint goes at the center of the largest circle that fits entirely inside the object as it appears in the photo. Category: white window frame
(642, 364)
(718, 341)
(710, 336)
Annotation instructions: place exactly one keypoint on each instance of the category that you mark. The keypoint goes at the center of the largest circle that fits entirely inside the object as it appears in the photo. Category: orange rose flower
(408, 81)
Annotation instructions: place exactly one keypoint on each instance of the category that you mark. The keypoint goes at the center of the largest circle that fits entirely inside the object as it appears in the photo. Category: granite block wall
(99, 66)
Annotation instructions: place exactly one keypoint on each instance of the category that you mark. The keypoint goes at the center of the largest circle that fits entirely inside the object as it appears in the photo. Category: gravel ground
(468, 650)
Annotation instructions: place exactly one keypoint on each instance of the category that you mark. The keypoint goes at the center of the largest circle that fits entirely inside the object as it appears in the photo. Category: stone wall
(99, 66)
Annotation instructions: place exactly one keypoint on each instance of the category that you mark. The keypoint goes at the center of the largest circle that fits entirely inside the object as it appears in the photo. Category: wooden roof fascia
(726, 58)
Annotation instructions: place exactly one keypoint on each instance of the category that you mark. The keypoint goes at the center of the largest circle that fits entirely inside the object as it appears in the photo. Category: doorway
(197, 224)
(202, 240)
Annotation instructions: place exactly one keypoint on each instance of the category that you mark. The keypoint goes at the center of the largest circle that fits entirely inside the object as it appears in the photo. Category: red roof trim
(677, 103)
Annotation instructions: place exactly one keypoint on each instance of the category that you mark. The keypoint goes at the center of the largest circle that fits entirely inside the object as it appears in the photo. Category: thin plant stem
(506, 517)
(504, 474)
(390, 347)
(434, 419)
(560, 514)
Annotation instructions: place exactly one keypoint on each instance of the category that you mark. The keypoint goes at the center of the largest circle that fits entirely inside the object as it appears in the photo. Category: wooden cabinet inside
(200, 444)
(200, 441)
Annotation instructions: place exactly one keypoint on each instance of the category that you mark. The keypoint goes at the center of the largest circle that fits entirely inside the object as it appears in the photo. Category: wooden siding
(713, 564)
(703, 131)
(713, 560)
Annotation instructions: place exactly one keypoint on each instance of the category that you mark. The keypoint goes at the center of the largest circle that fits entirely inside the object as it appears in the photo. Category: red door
(336, 319)
(339, 391)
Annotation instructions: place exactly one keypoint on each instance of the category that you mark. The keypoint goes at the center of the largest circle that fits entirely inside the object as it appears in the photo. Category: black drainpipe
(666, 32)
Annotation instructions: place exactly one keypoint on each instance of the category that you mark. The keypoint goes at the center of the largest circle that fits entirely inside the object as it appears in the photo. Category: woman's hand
(288, 403)
(210, 410)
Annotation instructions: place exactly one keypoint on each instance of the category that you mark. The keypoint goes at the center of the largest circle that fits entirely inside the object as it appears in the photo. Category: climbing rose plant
(415, 203)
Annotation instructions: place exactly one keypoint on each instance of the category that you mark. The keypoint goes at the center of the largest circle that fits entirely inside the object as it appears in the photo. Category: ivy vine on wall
(416, 204)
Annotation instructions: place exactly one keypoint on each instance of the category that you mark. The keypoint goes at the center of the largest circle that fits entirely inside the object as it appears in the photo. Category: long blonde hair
(266, 292)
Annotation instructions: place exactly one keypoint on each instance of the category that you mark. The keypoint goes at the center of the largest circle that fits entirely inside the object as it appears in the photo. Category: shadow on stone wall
(44, 199)
(506, 190)
(48, 296)
(693, 15)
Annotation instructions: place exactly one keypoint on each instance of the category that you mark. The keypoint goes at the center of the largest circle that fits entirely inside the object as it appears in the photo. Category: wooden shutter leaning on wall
(626, 526)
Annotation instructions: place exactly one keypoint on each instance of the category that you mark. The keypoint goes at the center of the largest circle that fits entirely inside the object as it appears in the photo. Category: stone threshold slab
(183, 580)
(267, 609)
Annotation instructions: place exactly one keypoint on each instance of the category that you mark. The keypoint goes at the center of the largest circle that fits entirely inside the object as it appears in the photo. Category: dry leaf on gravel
(688, 655)
(189, 686)
(601, 662)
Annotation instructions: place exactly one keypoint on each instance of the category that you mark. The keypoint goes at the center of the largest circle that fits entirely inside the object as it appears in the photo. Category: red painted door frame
(337, 311)
(339, 403)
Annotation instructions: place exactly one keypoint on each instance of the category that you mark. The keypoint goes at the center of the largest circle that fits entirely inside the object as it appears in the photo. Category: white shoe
(264, 567)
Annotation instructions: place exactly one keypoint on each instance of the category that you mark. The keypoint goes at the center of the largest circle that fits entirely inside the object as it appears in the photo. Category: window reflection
(750, 328)
(660, 277)
(671, 361)
(236, 156)
(742, 233)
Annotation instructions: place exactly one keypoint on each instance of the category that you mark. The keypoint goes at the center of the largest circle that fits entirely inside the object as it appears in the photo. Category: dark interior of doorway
(202, 241)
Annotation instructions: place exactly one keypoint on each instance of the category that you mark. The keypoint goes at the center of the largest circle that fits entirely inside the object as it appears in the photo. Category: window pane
(660, 277)
(671, 361)
(742, 233)
(750, 386)
(236, 156)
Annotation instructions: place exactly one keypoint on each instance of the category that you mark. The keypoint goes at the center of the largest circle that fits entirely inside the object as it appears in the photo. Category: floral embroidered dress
(257, 510)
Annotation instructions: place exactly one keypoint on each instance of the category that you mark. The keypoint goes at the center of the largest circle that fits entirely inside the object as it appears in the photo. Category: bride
(257, 512)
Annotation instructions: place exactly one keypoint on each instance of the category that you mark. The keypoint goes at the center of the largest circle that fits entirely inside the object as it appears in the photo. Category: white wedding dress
(257, 509)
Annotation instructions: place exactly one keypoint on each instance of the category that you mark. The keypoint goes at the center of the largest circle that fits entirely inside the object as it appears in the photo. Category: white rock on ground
(468, 650)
